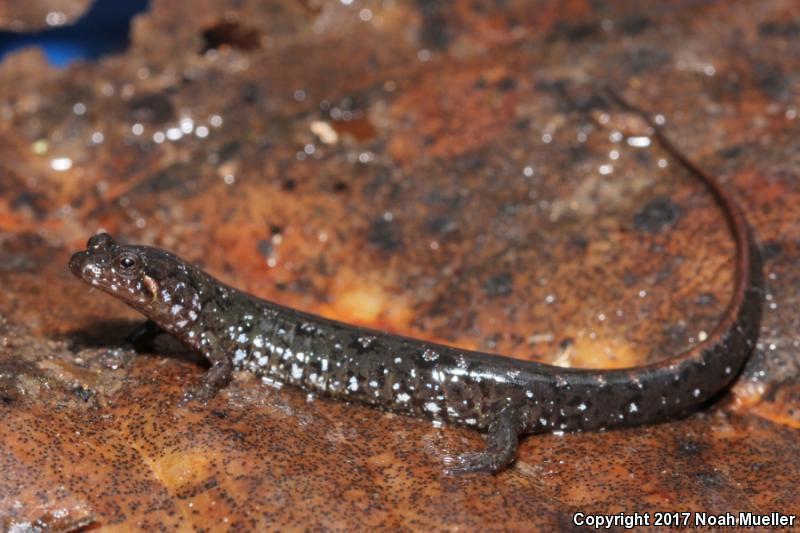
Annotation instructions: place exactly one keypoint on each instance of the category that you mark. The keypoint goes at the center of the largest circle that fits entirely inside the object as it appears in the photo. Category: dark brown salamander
(504, 397)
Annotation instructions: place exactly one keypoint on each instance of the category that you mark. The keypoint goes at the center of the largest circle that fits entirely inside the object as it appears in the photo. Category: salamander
(501, 396)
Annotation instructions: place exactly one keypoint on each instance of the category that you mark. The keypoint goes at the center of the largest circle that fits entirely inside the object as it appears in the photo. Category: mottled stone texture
(442, 169)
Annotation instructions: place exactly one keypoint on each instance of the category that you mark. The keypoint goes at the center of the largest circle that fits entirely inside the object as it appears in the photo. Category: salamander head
(158, 284)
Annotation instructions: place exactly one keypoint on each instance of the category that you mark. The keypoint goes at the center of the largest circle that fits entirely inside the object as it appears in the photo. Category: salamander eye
(128, 263)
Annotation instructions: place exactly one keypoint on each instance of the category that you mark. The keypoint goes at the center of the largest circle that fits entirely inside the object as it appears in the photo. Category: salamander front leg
(144, 334)
(141, 338)
(216, 378)
(501, 448)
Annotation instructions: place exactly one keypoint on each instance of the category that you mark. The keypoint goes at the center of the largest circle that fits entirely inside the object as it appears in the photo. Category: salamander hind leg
(501, 448)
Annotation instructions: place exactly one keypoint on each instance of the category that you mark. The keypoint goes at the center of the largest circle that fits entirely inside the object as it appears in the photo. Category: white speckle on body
(353, 384)
(430, 355)
(432, 407)
(271, 382)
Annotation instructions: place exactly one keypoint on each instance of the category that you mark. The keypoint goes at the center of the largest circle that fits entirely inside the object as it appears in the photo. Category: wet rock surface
(446, 170)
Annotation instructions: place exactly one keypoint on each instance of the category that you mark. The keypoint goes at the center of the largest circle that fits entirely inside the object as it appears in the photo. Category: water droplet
(61, 164)
(55, 18)
(639, 142)
(186, 125)
(39, 147)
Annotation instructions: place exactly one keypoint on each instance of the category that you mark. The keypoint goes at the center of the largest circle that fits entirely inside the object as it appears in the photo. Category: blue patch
(104, 29)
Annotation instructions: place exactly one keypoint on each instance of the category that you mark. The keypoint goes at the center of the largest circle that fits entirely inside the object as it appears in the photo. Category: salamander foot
(501, 448)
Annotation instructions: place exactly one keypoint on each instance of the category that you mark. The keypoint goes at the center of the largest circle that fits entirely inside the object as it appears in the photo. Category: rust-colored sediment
(441, 169)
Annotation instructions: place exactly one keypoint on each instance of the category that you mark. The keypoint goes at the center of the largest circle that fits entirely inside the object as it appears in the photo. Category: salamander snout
(76, 263)
(88, 263)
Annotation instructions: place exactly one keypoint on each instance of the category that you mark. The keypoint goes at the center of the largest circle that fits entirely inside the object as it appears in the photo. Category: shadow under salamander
(115, 334)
